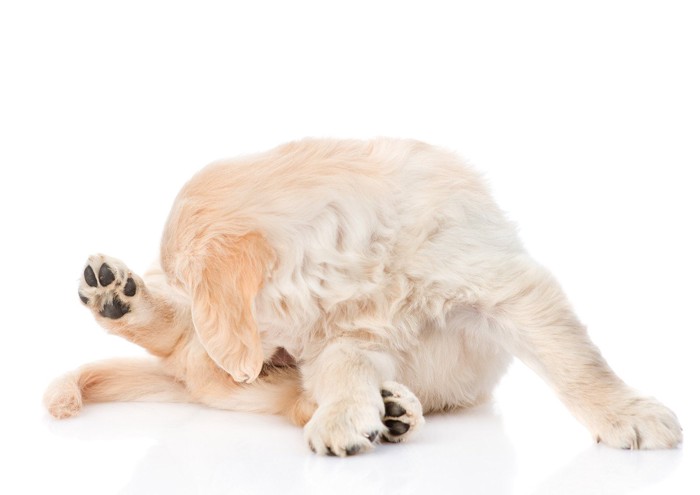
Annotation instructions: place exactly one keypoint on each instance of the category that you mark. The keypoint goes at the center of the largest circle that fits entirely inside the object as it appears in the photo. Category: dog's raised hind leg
(144, 311)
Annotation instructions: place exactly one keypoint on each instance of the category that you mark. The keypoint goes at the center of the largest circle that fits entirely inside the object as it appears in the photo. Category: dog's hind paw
(348, 428)
(63, 398)
(108, 287)
(403, 413)
(639, 423)
(344, 428)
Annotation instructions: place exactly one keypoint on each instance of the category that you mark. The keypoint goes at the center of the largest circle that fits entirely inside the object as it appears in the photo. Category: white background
(584, 117)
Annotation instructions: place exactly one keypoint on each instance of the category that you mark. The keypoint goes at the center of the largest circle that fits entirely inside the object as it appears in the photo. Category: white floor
(524, 443)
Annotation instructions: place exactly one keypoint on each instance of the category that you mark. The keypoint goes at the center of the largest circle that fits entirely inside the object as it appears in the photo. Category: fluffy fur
(368, 263)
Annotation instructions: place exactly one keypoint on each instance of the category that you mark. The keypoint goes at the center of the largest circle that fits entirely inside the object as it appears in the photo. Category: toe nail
(352, 450)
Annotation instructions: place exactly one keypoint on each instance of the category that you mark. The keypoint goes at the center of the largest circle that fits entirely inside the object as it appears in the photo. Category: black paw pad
(396, 428)
(373, 436)
(130, 287)
(114, 309)
(393, 409)
(106, 276)
(386, 393)
(83, 298)
(89, 276)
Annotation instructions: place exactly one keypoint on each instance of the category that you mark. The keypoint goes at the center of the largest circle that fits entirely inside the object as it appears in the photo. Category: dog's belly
(454, 366)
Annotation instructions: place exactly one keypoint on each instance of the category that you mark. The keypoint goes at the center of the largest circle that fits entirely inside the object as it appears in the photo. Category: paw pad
(106, 276)
(89, 275)
(108, 292)
(403, 414)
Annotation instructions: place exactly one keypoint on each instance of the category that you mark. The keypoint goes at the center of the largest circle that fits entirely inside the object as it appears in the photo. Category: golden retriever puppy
(371, 263)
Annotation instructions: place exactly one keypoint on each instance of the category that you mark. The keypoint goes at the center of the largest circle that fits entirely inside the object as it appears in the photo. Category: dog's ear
(223, 282)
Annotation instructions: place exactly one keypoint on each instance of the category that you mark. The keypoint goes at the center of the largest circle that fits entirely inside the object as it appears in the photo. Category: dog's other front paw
(640, 423)
(403, 413)
(108, 287)
(63, 398)
(344, 428)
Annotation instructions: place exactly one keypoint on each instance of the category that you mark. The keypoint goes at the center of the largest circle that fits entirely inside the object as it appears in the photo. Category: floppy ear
(223, 284)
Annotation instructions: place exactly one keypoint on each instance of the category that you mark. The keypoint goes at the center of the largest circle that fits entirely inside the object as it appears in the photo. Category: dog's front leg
(345, 379)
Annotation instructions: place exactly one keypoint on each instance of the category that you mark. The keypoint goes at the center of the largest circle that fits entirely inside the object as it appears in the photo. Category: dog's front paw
(403, 413)
(344, 428)
(641, 423)
(63, 398)
(108, 287)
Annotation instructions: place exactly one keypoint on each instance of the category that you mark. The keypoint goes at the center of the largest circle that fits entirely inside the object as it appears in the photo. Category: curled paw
(108, 287)
(344, 429)
(403, 413)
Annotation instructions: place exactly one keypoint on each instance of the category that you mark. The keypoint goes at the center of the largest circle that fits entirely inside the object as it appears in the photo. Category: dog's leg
(114, 380)
(146, 312)
(531, 317)
(346, 380)
(278, 390)
(151, 314)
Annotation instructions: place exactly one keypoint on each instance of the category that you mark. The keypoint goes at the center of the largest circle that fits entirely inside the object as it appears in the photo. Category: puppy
(384, 271)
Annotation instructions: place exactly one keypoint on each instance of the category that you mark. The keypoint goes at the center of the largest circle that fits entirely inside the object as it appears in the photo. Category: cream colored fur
(160, 321)
(368, 262)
